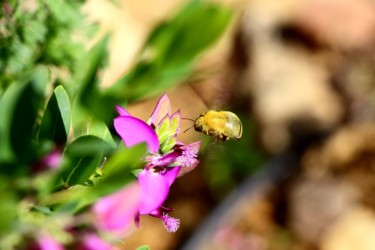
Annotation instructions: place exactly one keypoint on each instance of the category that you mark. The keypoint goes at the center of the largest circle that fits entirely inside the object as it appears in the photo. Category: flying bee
(223, 125)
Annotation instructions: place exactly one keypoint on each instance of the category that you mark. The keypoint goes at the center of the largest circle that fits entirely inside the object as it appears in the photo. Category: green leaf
(56, 119)
(168, 144)
(84, 123)
(90, 71)
(144, 247)
(163, 131)
(8, 208)
(82, 158)
(169, 53)
(19, 107)
(99, 129)
(89, 96)
(117, 171)
(80, 117)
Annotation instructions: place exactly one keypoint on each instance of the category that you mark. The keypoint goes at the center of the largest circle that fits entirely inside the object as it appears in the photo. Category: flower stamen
(170, 223)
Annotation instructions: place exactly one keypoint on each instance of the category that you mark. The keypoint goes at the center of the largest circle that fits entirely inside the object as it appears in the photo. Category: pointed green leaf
(163, 131)
(56, 119)
(175, 124)
(168, 145)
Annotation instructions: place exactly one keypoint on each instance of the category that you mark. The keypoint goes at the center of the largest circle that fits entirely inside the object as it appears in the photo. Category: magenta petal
(192, 148)
(171, 174)
(134, 131)
(53, 159)
(154, 191)
(186, 170)
(163, 108)
(188, 158)
(121, 111)
(155, 188)
(164, 160)
(46, 242)
(92, 241)
(115, 212)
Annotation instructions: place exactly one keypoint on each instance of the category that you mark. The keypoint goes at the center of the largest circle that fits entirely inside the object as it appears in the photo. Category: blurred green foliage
(19, 107)
(51, 101)
(45, 33)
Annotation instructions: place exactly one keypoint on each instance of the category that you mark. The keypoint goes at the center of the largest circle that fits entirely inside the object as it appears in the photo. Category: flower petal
(155, 188)
(115, 212)
(188, 158)
(162, 109)
(53, 159)
(134, 131)
(92, 241)
(163, 160)
(175, 122)
(121, 111)
(154, 191)
(188, 169)
(46, 242)
(171, 174)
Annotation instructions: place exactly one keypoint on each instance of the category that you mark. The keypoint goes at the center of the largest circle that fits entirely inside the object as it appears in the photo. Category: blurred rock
(349, 144)
(349, 154)
(284, 81)
(353, 230)
(314, 204)
(340, 24)
(298, 70)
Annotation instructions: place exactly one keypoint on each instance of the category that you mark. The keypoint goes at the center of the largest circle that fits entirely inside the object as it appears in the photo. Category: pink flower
(50, 161)
(91, 241)
(167, 158)
(115, 212)
(46, 242)
(53, 159)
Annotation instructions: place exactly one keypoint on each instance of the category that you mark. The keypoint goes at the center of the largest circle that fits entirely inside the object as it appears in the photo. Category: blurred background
(301, 76)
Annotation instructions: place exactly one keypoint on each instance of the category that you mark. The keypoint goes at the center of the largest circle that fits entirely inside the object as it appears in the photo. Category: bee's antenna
(188, 129)
(188, 119)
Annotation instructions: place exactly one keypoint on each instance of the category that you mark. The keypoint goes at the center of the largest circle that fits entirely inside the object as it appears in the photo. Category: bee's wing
(215, 144)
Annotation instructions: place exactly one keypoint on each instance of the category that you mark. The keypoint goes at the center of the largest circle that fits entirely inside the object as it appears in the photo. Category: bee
(223, 125)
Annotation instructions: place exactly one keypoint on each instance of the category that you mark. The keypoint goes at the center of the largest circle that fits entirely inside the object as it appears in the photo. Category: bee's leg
(219, 135)
(223, 137)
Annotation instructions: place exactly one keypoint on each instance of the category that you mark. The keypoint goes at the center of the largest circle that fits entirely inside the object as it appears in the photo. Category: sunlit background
(301, 77)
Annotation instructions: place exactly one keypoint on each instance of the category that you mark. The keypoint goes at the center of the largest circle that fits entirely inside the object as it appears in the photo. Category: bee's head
(199, 123)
